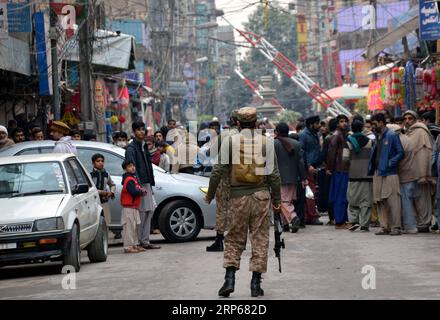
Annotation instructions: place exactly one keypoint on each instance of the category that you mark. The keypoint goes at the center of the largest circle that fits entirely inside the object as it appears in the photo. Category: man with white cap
(4, 140)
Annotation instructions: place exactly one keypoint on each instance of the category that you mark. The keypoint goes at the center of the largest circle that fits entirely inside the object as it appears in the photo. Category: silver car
(181, 211)
(50, 211)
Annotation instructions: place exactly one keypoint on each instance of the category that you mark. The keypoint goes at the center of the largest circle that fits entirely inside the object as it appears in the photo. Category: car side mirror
(80, 189)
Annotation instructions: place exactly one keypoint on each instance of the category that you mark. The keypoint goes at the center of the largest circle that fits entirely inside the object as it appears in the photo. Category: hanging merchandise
(122, 119)
(437, 81)
(114, 120)
(427, 84)
(410, 87)
(386, 88)
(124, 97)
(100, 104)
(396, 100)
(374, 99)
(428, 92)
(69, 117)
(100, 98)
(395, 85)
(402, 87)
(383, 86)
(433, 92)
(419, 84)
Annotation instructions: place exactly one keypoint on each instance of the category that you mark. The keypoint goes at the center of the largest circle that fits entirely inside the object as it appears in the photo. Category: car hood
(27, 209)
(190, 178)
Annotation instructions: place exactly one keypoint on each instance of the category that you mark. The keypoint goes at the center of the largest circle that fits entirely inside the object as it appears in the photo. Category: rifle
(279, 243)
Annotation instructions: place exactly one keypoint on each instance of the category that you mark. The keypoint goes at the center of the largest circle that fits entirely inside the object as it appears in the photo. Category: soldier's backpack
(252, 152)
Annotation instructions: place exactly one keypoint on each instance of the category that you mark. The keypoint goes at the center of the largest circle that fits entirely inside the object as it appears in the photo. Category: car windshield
(30, 179)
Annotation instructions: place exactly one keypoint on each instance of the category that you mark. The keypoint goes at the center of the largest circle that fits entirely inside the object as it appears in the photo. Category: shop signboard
(19, 16)
(429, 20)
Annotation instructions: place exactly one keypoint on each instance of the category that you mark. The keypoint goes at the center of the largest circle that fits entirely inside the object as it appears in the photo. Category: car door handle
(158, 188)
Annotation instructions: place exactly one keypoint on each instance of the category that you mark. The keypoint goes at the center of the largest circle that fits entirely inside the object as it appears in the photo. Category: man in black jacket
(138, 153)
(292, 169)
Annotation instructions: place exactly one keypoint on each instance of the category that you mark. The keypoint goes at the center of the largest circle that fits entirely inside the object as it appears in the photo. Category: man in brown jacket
(338, 164)
(414, 174)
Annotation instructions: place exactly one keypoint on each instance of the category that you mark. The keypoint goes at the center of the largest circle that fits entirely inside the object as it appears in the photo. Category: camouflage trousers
(249, 214)
(222, 199)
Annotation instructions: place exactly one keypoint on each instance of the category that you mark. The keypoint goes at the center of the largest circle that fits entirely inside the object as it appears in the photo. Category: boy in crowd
(37, 134)
(76, 135)
(104, 183)
(120, 139)
(130, 201)
(18, 135)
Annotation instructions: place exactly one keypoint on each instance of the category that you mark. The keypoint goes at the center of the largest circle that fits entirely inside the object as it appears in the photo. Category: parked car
(181, 210)
(50, 211)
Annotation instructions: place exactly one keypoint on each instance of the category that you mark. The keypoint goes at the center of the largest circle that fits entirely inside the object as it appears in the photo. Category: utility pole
(373, 33)
(54, 56)
(85, 62)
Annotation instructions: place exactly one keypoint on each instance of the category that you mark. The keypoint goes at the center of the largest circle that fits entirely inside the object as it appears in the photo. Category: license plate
(8, 246)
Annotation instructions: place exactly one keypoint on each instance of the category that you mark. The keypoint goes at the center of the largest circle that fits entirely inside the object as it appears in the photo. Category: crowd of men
(361, 171)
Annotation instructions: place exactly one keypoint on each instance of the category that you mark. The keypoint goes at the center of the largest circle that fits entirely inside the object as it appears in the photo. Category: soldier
(222, 198)
(252, 184)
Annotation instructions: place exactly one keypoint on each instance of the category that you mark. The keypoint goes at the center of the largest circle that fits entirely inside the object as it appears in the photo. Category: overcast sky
(234, 11)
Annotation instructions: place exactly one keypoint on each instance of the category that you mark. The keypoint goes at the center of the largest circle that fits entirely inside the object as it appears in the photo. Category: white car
(50, 211)
(181, 210)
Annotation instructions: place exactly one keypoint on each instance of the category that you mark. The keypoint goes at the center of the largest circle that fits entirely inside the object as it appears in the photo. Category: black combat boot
(256, 290)
(229, 285)
(217, 246)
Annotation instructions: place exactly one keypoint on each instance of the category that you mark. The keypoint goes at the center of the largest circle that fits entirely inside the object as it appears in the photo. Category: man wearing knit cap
(4, 140)
(312, 150)
(414, 175)
(59, 131)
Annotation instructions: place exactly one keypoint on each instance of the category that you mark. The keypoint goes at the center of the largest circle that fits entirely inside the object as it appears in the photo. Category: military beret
(247, 114)
(60, 127)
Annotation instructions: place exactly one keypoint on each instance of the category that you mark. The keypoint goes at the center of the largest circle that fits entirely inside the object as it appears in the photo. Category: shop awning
(381, 68)
(346, 93)
(112, 52)
(15, 56)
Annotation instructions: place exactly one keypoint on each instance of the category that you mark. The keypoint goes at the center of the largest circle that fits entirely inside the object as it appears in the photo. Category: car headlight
(204, 190)
(50, 224)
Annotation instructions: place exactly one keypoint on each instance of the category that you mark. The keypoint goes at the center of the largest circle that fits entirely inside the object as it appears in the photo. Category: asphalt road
(318, 263)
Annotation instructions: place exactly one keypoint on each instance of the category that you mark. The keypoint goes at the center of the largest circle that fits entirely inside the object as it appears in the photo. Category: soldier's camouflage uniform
(222, 199)
(249, 213)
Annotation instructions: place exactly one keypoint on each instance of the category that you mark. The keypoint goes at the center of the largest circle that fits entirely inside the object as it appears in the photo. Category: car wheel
(72, 256)
(98, 249)
(180, 221)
